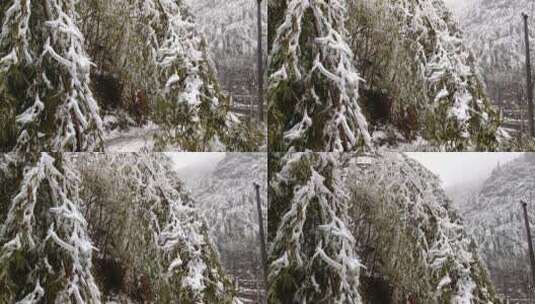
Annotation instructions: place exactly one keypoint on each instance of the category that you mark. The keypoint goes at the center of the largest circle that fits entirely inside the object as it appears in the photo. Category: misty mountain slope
(496, 215)
(462, 192)
(227, 194)
(229, 26)
(495, 30)
(459, 7)
(227, 198)
(495, 220)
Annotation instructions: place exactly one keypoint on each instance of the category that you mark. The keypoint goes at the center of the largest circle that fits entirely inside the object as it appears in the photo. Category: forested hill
(229, 26)
(494, 218)
(495, 28)
(231, 32)
(227, 199)
(494, 31)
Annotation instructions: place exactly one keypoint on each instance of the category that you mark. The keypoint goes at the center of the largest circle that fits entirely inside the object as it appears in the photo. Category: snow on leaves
(63, 227)
(313, 92)
(317, 227)
(202, 121)
(312, 238)
(452, 269)
(47, 225)
(59, 112)
(182, 235)
(462, 110)
(318, 87)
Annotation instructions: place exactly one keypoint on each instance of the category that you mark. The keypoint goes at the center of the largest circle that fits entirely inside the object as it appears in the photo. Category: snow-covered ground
(133, 140)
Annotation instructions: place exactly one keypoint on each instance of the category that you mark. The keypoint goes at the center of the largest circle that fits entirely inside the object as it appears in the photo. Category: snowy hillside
(231, 32)
(495, 219)
(494, 31)
(226, 195)
(229, 26)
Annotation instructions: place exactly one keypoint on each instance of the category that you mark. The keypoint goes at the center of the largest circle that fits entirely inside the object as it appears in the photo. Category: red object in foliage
(139, 106)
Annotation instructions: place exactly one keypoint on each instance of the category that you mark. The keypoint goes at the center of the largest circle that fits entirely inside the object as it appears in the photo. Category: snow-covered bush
(392, 87)
(439, 95)
(192, 111)
(121, 38)
(349, 228)
(126, 214)
(145, 221)
(45, 251)
(313, 83)
(188, 256)
(418, 76)
(44, 79)
(312, 255)
(457, 112)
(414, 238)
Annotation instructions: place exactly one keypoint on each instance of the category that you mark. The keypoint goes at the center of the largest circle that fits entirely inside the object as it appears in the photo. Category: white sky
(454, 3)
(458, 6)
(455, 168)
(191, 159)
(452, 168)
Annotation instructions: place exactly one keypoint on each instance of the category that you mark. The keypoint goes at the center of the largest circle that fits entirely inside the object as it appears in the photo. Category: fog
(459, 7)
(467, 167)
(452, 168)
(196, 159)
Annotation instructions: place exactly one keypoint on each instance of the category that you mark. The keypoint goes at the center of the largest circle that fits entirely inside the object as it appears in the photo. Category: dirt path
(132, 141)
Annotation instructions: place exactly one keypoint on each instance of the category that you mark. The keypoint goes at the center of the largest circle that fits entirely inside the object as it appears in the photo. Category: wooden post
(260, 63)
(530, 243)
(262, 234)
(528, 78)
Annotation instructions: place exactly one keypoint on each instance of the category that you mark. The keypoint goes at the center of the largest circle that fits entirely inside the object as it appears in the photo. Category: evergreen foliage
(411, 235)
(193, 112)
(312, 256)
(313, 84)
(410, 78)
(89, 227)
(347, 228)
(460, 115)
(47, 104)
(45, 253)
